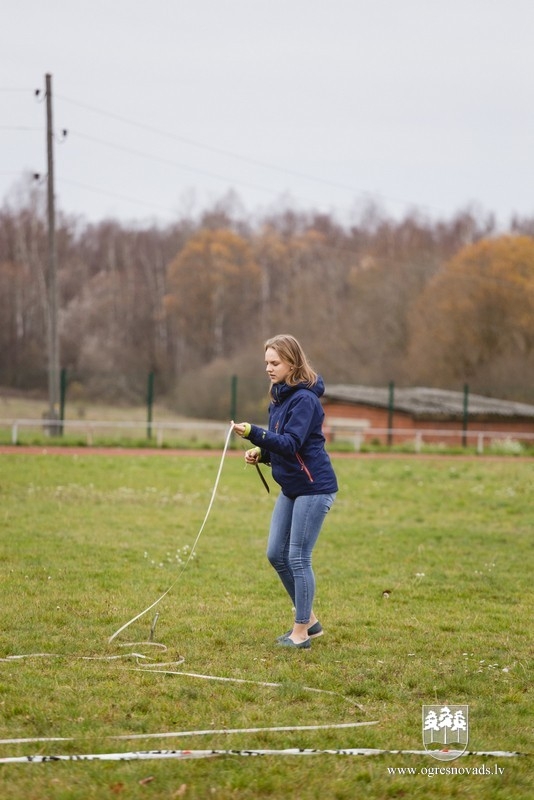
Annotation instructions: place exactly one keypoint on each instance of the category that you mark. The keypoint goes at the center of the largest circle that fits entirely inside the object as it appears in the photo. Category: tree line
(413, 300)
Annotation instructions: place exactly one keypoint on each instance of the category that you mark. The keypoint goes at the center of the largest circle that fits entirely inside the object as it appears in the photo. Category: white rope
(144, 755)
(241, 680)
(155, 667)
(138, 656)
(205, 732)
(214, 492)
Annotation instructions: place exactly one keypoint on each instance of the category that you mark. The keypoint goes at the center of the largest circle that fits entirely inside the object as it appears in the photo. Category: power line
(209, 148)
(200, 145)
(356, 192)
(114, 195)
(20, 128)
(167, 161)
(244, 159)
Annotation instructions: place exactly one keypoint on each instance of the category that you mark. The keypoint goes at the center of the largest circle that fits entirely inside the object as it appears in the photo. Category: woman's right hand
(241, 428)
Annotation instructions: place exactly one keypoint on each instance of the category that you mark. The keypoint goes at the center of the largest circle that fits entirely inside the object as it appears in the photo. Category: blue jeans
(295, 527)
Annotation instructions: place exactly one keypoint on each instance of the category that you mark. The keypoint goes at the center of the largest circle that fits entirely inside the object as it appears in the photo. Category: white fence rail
(92, 427)
(502, 440)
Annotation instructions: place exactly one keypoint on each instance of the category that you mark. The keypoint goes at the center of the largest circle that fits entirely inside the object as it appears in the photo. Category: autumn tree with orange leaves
(474, 321)
(213, 287)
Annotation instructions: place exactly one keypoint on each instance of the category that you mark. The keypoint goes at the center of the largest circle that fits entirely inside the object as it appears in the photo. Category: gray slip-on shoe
(305, 645)
(314, 631)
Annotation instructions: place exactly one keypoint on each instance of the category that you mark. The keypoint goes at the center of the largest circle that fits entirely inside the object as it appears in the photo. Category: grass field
(424, 573)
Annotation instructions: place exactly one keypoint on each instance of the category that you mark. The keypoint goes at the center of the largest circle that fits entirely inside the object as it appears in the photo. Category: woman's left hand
(252, 456)
(242, 428)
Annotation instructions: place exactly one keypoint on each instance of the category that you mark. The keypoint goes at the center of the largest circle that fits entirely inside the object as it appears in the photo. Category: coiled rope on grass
(192, 551)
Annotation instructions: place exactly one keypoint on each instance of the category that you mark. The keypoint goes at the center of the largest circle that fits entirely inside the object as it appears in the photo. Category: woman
(294, 446)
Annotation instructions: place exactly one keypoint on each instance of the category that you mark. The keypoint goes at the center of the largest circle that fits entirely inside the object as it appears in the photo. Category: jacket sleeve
(298, 423)
(265, 457)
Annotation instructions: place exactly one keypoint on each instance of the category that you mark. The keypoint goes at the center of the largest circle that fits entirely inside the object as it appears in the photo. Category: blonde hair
(290, 351)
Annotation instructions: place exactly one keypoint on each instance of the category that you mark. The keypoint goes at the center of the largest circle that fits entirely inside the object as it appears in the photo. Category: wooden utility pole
(53, 334)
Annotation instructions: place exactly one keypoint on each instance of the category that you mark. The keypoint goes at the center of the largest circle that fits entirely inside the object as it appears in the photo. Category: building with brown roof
(393, 415)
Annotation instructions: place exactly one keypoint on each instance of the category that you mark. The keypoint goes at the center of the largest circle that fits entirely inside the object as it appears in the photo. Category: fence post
(62, 397)
(391, 395)
(465, 415)
(149, 401)
(233, 397)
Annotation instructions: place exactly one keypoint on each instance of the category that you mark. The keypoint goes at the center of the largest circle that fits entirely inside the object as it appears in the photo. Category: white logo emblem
(445, 731)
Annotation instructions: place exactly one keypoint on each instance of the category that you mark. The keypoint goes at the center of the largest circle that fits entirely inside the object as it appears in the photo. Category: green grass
(87, 542)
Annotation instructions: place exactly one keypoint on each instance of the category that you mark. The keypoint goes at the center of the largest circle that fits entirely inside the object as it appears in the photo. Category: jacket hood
(280, 391)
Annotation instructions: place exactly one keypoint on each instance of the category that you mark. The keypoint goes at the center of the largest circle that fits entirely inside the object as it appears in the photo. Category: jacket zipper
(304, 467)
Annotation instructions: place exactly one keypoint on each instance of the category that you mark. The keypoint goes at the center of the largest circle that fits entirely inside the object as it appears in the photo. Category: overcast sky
(316, 104)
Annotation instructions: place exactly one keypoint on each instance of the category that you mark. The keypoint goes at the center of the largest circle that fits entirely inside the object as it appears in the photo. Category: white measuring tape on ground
(145, 755)
(213, 493)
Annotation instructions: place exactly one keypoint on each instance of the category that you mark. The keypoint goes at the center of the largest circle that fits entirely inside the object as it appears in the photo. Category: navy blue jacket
(294, 443)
